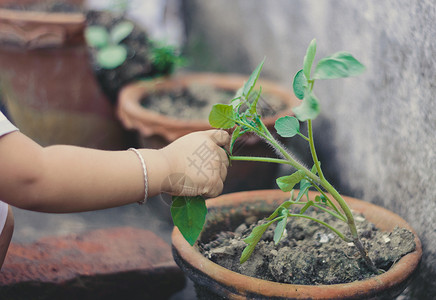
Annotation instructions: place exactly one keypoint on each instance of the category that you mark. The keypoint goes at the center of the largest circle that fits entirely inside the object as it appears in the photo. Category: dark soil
(309, 253)
(196, 100)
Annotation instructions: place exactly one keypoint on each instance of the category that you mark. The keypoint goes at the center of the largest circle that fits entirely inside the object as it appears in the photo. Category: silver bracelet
(144, 169)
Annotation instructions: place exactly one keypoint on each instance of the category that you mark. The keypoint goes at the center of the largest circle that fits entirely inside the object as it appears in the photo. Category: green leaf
(287, 183)
(285, 204)
(308, 58)
(314, 169)
(221, 116)
(308, 109)
(189, 215)
(236, 102)
(96, 36)
(287, 126)
(249, 85)
(111, 56)
(321, 199)
(281, 226)
(299, 84)
(253, 239)
(253, 105)
(120, 31)
(338, 65)
(236, 133)
(304, 188)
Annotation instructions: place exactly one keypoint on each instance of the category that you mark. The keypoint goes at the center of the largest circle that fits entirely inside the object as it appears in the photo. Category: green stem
(260, 159)
(340, 234)
(332, 205)
(313, 151)
(318, 180)
(303, 136)
(351, 223)
(268, 136)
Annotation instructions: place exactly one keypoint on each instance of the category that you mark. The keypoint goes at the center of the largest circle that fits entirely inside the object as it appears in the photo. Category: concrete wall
(377, 133)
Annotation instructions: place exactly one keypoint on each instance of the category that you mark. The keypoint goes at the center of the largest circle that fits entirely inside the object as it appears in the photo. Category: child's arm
(69, 179)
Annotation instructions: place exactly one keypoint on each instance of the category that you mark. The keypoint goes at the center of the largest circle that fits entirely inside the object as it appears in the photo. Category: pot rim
(134, 116)
(42, 16)
(39, 29)
(383, 218)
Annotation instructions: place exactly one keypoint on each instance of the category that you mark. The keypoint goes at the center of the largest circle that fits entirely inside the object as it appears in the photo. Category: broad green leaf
(111, 57)
(287, 126)
(308, 58)
(338, 65)
(96, 36)
(281, 226)
(287, 183)
(299, 84)
(308, 109)
(251, 82)
(189, 215)
(253, 239)
(221, 116)
(120, 31)
(285, 205)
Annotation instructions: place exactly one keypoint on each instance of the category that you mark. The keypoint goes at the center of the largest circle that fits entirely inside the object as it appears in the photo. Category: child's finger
(220, 137)
(223, 172)
(224, 159)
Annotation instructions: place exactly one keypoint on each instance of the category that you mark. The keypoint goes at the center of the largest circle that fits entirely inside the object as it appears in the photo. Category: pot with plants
(48, 86)
(164, 109)
(310, 243)
(122, 52)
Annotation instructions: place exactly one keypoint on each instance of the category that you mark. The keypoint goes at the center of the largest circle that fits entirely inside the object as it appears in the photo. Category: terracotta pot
(227, 211)
(134, 116)
(48, 84)
(157, 130)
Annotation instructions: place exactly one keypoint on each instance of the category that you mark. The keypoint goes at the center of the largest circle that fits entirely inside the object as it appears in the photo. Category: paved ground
(155, 216)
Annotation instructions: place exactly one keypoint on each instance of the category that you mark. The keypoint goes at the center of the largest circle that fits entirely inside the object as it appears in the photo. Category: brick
(115, 263)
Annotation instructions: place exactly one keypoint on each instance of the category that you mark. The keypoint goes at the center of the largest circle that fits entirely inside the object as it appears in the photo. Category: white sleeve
(5, 125)
(3, 214)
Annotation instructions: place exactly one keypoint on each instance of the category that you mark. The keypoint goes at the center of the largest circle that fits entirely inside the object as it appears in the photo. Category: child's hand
(197, 164)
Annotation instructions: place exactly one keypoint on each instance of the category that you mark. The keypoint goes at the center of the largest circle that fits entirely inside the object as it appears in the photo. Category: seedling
(110, 52)
(242, 115)
(165, 58)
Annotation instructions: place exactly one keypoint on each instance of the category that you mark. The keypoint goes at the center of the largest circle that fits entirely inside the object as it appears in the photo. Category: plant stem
(340, 234)
(260, 159)
(351, 223)
(318, 180)
(312, 149)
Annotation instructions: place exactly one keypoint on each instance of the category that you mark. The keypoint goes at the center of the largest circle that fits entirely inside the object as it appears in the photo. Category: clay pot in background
(157, 130)
(48, 84)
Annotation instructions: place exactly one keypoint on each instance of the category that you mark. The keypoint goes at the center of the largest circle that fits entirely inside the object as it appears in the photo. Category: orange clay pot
(157, 130)
(48, 85)
(227, 212)
(149, 123)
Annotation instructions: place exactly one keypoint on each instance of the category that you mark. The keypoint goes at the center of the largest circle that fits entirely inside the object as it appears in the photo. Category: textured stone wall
(376, 133)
